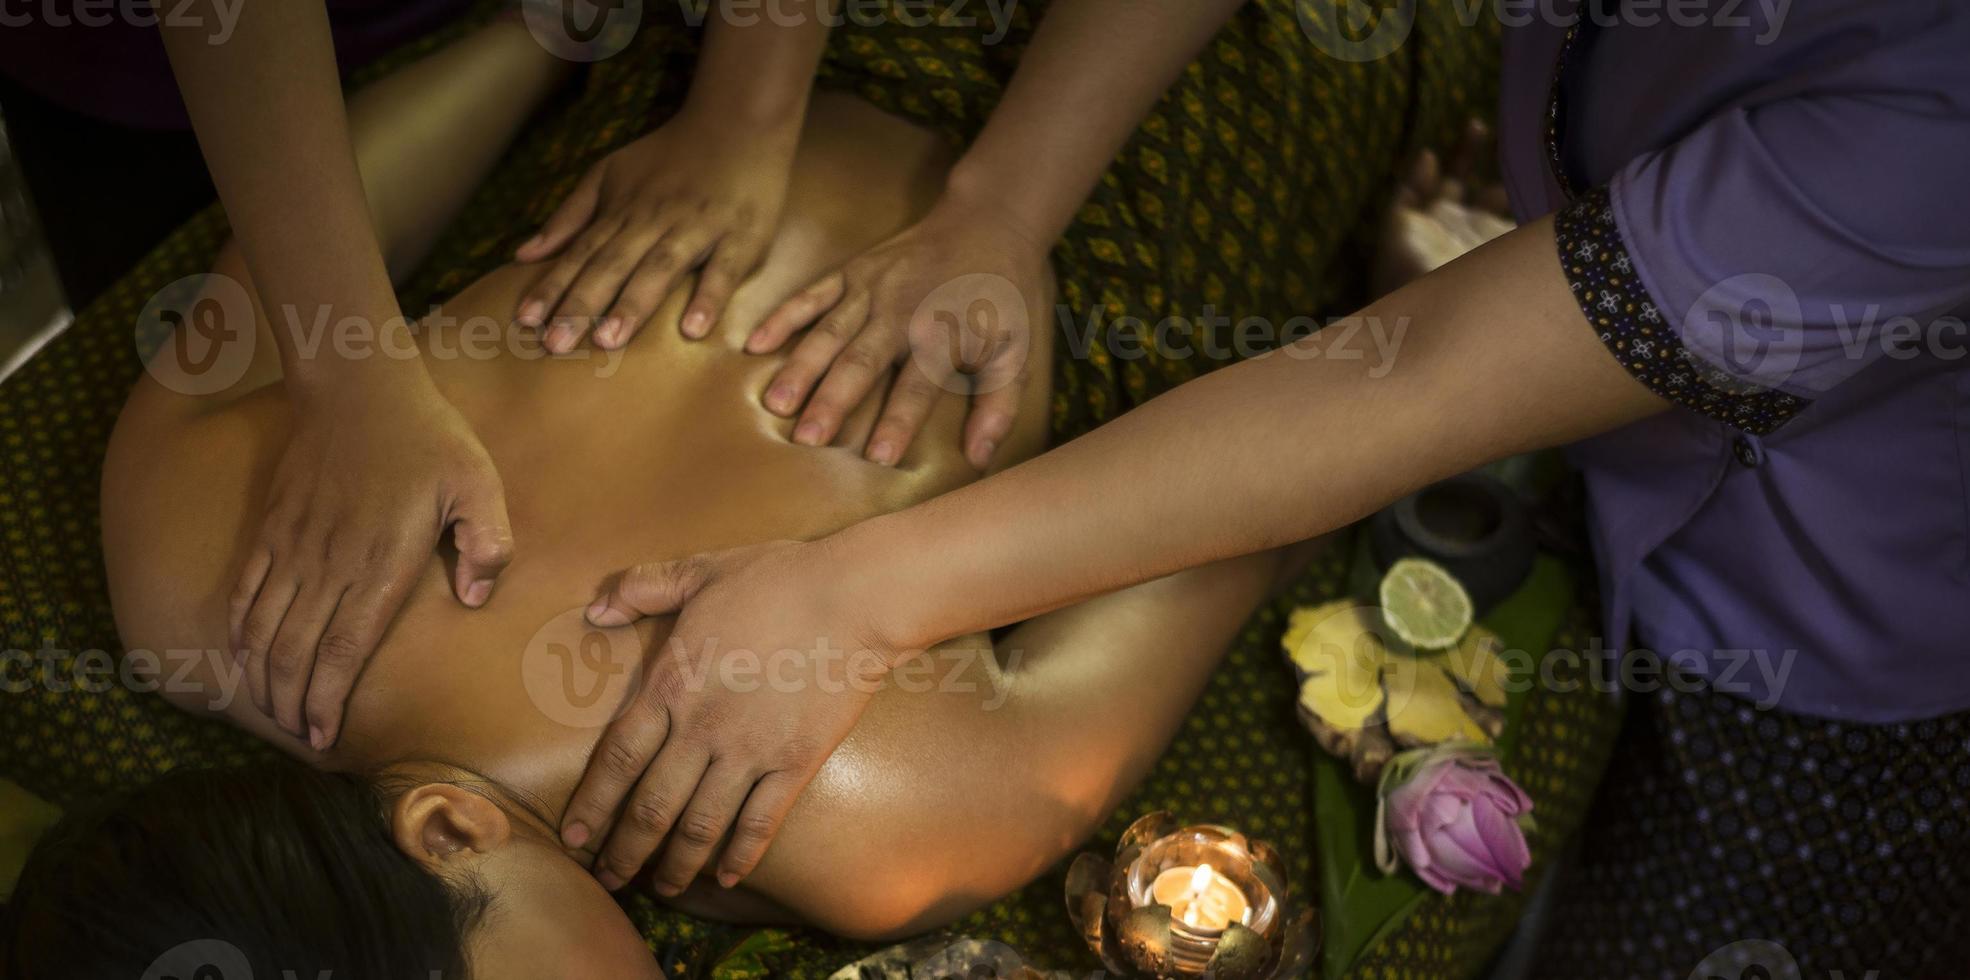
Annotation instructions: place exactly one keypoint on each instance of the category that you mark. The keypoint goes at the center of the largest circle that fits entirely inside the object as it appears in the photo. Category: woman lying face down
(425, 837)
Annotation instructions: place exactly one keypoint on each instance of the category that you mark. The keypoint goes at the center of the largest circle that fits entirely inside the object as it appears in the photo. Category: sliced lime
(1424, 604)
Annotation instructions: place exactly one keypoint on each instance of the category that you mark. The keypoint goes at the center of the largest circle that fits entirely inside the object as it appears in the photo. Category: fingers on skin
(993, 409)
(569, 217)
(656, 274)
(650, 589)
(251, 578)
(765, 810)
(647, 816)
(597, 283)
(483, 535)
(714, 806)
(854, 373)
(815, 352)
(607, 273)
(546, 294)
(796, 314)
(365, 611)
(910, 401)
(292, 660)
(259, 629)
(617, 765)
(735, 258)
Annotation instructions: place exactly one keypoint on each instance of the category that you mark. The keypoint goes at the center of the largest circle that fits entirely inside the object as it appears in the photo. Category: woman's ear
(440, 824)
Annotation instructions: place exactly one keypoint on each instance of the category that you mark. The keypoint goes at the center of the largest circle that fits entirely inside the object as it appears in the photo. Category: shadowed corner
(23, 818)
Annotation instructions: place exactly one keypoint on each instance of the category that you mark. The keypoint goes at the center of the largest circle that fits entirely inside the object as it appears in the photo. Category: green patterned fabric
(1251, 190)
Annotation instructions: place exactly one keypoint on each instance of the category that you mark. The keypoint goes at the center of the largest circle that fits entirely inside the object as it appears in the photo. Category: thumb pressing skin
(484, 537)
(650, 589)
(999, 386)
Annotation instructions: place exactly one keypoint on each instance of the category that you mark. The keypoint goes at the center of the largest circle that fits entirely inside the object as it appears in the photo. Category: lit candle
(1201, 898)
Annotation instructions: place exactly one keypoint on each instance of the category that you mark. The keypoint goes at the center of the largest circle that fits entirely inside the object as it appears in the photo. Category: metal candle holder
(1137, 936)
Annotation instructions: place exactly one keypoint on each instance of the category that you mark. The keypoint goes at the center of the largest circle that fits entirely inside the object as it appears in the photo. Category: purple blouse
(1766, 217)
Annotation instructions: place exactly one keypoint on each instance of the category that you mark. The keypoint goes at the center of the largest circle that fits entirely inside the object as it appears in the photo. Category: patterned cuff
(1610, 291)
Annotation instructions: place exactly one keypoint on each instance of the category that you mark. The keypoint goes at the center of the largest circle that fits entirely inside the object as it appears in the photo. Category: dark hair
(272, 867)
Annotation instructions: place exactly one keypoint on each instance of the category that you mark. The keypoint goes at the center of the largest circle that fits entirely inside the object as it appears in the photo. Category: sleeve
(1766, 257)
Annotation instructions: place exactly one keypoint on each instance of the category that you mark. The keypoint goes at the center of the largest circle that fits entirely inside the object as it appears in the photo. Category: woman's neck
(529, 815)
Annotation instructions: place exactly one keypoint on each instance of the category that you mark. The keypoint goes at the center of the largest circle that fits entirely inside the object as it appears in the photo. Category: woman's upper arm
(1178, 624)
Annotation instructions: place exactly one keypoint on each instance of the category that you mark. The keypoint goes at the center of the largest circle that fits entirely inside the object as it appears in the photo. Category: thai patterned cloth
(1253, 189)
(1749, 842)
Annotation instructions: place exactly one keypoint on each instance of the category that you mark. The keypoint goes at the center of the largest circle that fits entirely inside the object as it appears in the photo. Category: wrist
(970, 209)
(753, 111)
(979, 187)
(342, 386)
(858, 586)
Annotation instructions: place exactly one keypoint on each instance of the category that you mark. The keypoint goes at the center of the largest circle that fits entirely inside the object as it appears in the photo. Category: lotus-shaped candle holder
(1190, 901)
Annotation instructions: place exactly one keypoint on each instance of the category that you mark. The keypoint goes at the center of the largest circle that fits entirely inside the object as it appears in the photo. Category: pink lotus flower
(1453, 816)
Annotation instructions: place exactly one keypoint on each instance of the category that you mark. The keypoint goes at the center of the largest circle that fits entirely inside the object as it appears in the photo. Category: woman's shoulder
(176, 489)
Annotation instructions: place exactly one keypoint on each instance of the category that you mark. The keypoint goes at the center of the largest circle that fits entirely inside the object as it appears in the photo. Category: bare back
(609, 459)
(974, 770)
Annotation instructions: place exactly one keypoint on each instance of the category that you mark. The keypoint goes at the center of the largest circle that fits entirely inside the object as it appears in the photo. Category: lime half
(1424, 604)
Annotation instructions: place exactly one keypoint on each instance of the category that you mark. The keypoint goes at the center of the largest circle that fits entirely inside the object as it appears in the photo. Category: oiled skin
(939, 801)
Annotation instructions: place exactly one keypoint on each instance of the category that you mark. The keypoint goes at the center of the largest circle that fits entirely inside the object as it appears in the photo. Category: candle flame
(1200, 880)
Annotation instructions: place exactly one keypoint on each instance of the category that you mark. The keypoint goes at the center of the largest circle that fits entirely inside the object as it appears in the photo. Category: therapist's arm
(378, 466)
(1495, 358)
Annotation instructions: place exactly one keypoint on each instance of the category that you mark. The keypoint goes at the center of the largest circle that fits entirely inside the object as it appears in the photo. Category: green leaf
(1359, 904)
(1528, 621)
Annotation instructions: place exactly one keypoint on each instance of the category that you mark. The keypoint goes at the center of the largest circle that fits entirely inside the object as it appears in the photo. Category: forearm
(1092, 72)
(1493, 359)
(1186, 618)
(267, 107)
(757, 65)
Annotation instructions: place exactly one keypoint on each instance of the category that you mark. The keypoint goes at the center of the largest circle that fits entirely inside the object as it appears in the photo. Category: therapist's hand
(700, 193)
(692, 757)
(371, 478)
(955, 294)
